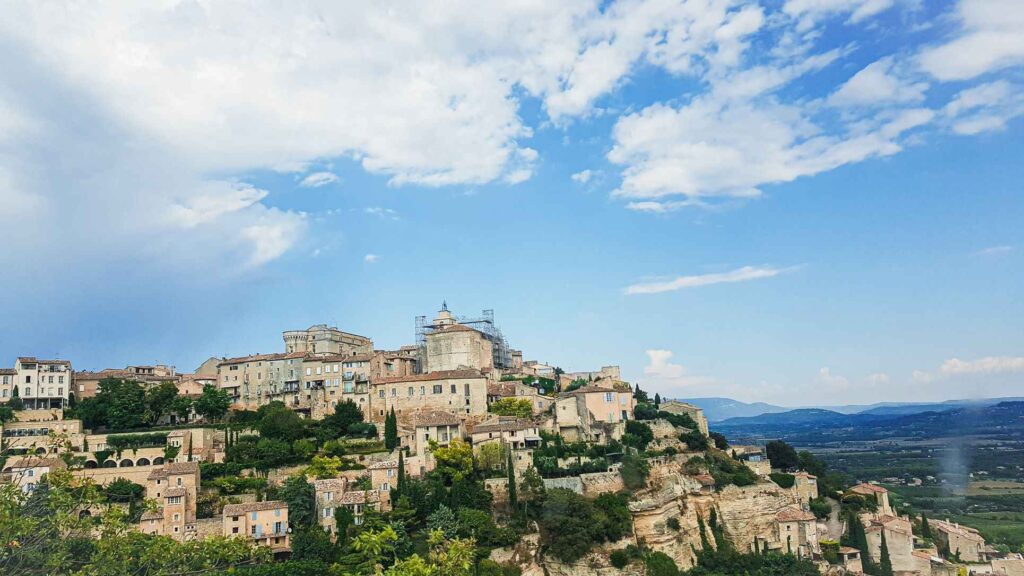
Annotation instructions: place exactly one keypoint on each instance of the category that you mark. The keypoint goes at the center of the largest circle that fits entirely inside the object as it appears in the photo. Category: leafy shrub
(673, 523)
(782, 479)
(619, 558)
(661, 564)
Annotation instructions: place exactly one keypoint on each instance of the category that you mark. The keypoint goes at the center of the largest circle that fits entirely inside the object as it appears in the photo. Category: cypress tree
(513, 498)
(401, 474)
(657, 400)
(926, 530)
(704, 543)
(884, 562)
(391, 430)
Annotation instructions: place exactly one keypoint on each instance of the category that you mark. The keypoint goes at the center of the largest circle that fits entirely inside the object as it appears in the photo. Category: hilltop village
(452, 455)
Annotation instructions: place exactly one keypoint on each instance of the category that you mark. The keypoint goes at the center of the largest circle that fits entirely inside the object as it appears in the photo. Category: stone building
(266, 523)
(321, 339)
(957, 539)
(8, 376)
(797, 532)
(694, 412)
(253, 381)
(336, 378)
(899, 539)
(511, 431)
(806, 487)
(594, 413)
(42, 384)
(33, 435)
(328, 497)
(87, 384)
(25, 472)
(439, 426)
(454, 346)
(607, 375)
(462, 392)
(879, 494)
(175, 487)
(516, 389)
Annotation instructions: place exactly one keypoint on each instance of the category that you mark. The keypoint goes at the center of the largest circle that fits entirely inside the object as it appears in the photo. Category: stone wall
(662, 428)
(206, 527)
(104, 476)
(498, 487)
(597, 482)
(571, 483)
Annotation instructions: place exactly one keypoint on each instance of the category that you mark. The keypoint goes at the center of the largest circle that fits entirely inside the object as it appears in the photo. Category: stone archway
(109, 464)
(126, 463)
(40, 451)
(142, 462)
(91, 464)
(158, 460)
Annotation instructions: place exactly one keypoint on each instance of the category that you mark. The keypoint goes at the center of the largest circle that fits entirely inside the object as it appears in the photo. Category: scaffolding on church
(484, 323)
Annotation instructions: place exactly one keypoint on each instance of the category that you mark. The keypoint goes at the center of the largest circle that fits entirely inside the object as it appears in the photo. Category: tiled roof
(503, 389)
(174, 468)
(793, 514)
(33, 359)
(430, 376)
(33, 461)
(8, 371)
(503, 424)
(360, 497)
(176, 433)
(848, 550)
(239, 509)
(261, 357)
(175, 491)
(868, 488)
(804, 475)
(433, 418)
(952, 528)
(325, 484)
(157, 514)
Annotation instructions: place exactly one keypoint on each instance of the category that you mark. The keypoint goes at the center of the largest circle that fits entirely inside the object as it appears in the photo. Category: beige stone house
(797, 532)
(518, 390)
(87, 384)
(607, 375)
(880, 495)
(850, 559)
(8, 376)
(594, 413)
(509, 430)
(328, 498)
(453, 346)
(805, 486)
(694, 412)
(323, 339)
(266, 523)
(432, 425)
(331, 379)
(175, 487)
(958, 539)
(359, 501)
(25, 472)
(253, 381)
(899, 539)
(462, 392)
(34, 435)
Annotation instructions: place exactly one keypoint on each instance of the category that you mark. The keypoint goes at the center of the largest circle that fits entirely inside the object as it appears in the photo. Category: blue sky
(800, 202)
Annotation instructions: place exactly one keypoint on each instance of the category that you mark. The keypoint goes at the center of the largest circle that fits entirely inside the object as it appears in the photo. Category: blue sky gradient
(895, 276)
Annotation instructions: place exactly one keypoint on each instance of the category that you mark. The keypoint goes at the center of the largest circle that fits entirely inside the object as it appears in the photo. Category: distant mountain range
(722, 409)
(810, 426)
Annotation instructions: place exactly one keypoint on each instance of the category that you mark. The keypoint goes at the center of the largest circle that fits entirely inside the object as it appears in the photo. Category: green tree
(323, 467)
(721, 442)
(454, 461)
(513, 499)
(490, 456)
(782, 455)
(213, 403)
(303, 448)
(884, 562)
(301, 498)
(182, 408)
(660, 564)
(159, 400)
(532, 490)
(640, 434)
(519, 407)
(391, 430)
(313, 543)
(926, 530)
(657, 400)
(634, 471)
(443, 519)
(400, 486)
(343, 518)
(279, 422)
(336, 424)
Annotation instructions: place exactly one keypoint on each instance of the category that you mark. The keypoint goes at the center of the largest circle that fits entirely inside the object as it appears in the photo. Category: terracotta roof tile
(239, 509)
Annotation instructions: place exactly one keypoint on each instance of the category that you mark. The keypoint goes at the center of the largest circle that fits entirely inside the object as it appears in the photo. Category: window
(385, 487)
(60, 380)
(327, 512)
(391, 472)
(381, 393)
(179, 480)
(234, 530)
(394, 392)
(423, 390)
(437, 388)
(467, 388)
(28, 391)
(277, 513)
(412, 391)
(177, 517)
(607, 396)
(329, 496)
(174, 499)
(309, 371)
(253, 516)
(455, 389)
(318, 370)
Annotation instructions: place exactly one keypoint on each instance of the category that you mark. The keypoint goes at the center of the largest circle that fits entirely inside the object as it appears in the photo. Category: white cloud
(879, 378)
(990, 39)
(878, 83)
(811, 11)
(739, 275)
(213, 201)
(987, 365)
(381, 212)
(371, 258)
(318, 179)
(985, 107)
(995, 251)
(831, 382)
(582, 177)
(659, 366)
(921, 377)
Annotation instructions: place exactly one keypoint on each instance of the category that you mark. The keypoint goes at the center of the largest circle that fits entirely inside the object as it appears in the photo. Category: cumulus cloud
(318, 179)
(987, 365)
(989, 39)
(666, 374)
(879, 378)
(833, 382)
(371, 258)
(743, 274)
(810, 12)
(984, 108)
